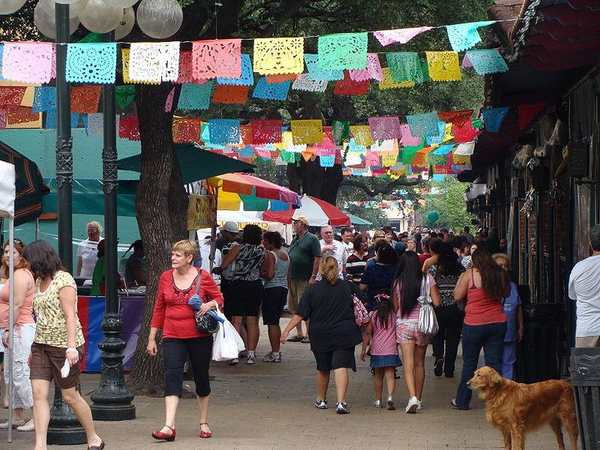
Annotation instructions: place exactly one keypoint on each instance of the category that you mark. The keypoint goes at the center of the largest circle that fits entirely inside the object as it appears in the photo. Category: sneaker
(29, 426)
(412, 405)
(234, 362)
(16, 423)
(390, 405)
(320, 404)
(342, 408)
(454, 405)
(272, 357)
(377, 404)
(420, 407)
(438, 367)
(251, 358)
(243, 354)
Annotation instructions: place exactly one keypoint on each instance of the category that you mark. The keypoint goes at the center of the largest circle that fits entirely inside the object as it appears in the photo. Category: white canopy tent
(7, 210)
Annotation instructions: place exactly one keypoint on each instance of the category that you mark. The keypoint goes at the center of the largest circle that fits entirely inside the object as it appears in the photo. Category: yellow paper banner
(389, 158)
(443, 66)
(307, 131)
(274, 56)
(125, 59)
(361, 134)
(389, 83)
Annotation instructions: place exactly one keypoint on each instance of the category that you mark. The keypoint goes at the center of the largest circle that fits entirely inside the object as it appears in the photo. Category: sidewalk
(269, 406)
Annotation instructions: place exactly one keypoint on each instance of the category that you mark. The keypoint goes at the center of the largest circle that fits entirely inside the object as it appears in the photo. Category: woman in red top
(180, 337)
(484, 286)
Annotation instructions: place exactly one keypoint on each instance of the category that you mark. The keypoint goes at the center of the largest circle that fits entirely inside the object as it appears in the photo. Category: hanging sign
(202, 212)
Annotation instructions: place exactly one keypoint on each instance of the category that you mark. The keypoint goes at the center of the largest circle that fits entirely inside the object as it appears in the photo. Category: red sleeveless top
(482, 309)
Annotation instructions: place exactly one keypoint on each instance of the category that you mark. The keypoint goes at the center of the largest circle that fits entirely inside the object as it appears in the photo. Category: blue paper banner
(44, 99)
(195, 96)
(425, 124)
(486, 61)
(224, 131)
(247, 76)
(493, 118)
(271, 91)
(316, 73)
(464, 36)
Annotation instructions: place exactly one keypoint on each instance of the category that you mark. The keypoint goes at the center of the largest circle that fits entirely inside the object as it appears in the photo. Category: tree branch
(387, 189)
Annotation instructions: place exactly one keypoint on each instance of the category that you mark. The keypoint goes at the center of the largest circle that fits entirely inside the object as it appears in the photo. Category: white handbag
(428, 323)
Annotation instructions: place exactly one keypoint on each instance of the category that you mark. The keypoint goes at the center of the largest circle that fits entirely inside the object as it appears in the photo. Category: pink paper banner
(403, 35)
(29, 62)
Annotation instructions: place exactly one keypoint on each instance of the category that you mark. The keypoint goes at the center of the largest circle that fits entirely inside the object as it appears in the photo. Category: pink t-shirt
(26, 310)
(384, 338)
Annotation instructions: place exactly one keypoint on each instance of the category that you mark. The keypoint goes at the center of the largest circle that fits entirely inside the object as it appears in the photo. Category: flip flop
(295, 339)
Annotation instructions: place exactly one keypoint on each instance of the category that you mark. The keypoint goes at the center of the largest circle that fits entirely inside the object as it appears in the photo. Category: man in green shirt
(305, 256)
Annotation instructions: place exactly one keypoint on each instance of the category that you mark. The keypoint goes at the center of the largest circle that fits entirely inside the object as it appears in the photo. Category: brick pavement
(268, 406)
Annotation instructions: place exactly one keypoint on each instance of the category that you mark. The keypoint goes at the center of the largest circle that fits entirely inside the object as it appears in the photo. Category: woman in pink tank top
(24, 333)
(483, 287)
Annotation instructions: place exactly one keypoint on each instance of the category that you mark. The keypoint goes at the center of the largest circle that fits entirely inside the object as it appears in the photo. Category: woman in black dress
(328, 309)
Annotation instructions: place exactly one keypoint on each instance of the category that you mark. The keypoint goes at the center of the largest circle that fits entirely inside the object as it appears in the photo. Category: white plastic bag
(227, 342)
(428, 323)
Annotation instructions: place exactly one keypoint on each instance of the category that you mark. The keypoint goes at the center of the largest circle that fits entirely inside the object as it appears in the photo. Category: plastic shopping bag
(428, 323)
(227, 342)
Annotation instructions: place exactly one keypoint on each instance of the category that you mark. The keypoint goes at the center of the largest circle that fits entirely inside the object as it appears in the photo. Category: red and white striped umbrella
(317, 211)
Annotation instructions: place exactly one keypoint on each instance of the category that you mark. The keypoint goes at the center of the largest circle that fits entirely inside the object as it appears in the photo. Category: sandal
(296, 338)
(205, 434)
(160, 436)
(97, 447)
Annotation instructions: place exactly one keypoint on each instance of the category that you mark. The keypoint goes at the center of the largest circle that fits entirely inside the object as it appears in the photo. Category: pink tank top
(26, 310)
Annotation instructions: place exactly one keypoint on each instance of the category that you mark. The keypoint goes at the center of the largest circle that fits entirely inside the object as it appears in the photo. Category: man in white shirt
(329, 246)
(87, 251)
(348, 240)
(584, 287)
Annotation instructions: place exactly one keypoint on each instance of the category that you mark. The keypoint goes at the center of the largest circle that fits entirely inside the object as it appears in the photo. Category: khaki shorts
(297, 288)
(587, 342)
(46, 362)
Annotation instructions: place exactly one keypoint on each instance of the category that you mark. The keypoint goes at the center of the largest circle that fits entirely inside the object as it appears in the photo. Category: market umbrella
(317, 211)
(254, 192)
(30, 186)
(195, 163)
(8, 192)
(355, 220)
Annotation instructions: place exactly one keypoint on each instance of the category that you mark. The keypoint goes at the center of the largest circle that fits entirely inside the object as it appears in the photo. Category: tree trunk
(161, 217)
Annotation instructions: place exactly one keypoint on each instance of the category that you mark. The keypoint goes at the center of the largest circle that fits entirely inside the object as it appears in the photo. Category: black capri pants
(175, 354)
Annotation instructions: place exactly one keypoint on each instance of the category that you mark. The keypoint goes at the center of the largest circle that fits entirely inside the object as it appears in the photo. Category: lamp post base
(64, 428)
(113, 412)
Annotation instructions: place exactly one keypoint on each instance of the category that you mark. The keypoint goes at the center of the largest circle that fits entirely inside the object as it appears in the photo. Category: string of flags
(222, 60)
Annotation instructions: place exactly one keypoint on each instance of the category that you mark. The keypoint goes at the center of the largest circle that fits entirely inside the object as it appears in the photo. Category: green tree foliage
(447, 198)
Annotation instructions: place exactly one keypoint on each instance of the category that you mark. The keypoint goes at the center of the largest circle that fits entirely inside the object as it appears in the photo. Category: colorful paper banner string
(304, 83)
(343, 51)
(280, 78)
(28, 62)
(424, 124)
(11, 96)
(464, 36)
(230, 95)
(245, 79)
(348, 86)
(186, 129)
(85, 99)
(372, 72)
(91, 63)
(217, 58)
(406, 66)
(266, 131)
(307, 131)
(388, 81)
(409, 152)
(443, 149)
(278, 55)
(486, 61)
(271, 91)
(401, 35)
(224, 131)
(44, 99)
(195, 96)
(443, 66)
(129, 128)
(387, 127)
(315, 72)
(361, 135)
(493, 118)
(154, 62)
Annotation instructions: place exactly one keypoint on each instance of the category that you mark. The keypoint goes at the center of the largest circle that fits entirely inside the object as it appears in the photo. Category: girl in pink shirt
(381, 341)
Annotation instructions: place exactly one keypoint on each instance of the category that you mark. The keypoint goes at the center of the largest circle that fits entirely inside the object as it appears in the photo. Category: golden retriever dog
(516, 408)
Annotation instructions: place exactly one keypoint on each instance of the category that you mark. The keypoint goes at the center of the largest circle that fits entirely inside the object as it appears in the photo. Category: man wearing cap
(305, 256)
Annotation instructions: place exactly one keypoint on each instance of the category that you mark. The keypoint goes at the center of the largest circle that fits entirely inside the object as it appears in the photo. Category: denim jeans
(490, 337)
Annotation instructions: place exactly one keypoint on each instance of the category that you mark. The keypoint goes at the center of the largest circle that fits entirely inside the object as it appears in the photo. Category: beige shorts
(587, 342)
(297, 288)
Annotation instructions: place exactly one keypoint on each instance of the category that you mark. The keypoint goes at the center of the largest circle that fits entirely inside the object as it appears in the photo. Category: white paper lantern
(49, 7)
(159, 19)
(46, 24)
(126, 24)
(122, 3)
(10, 6)
(100, 17)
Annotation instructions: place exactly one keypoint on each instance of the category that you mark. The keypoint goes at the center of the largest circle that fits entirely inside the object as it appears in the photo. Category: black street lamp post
(112, 400)
(64, 427)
